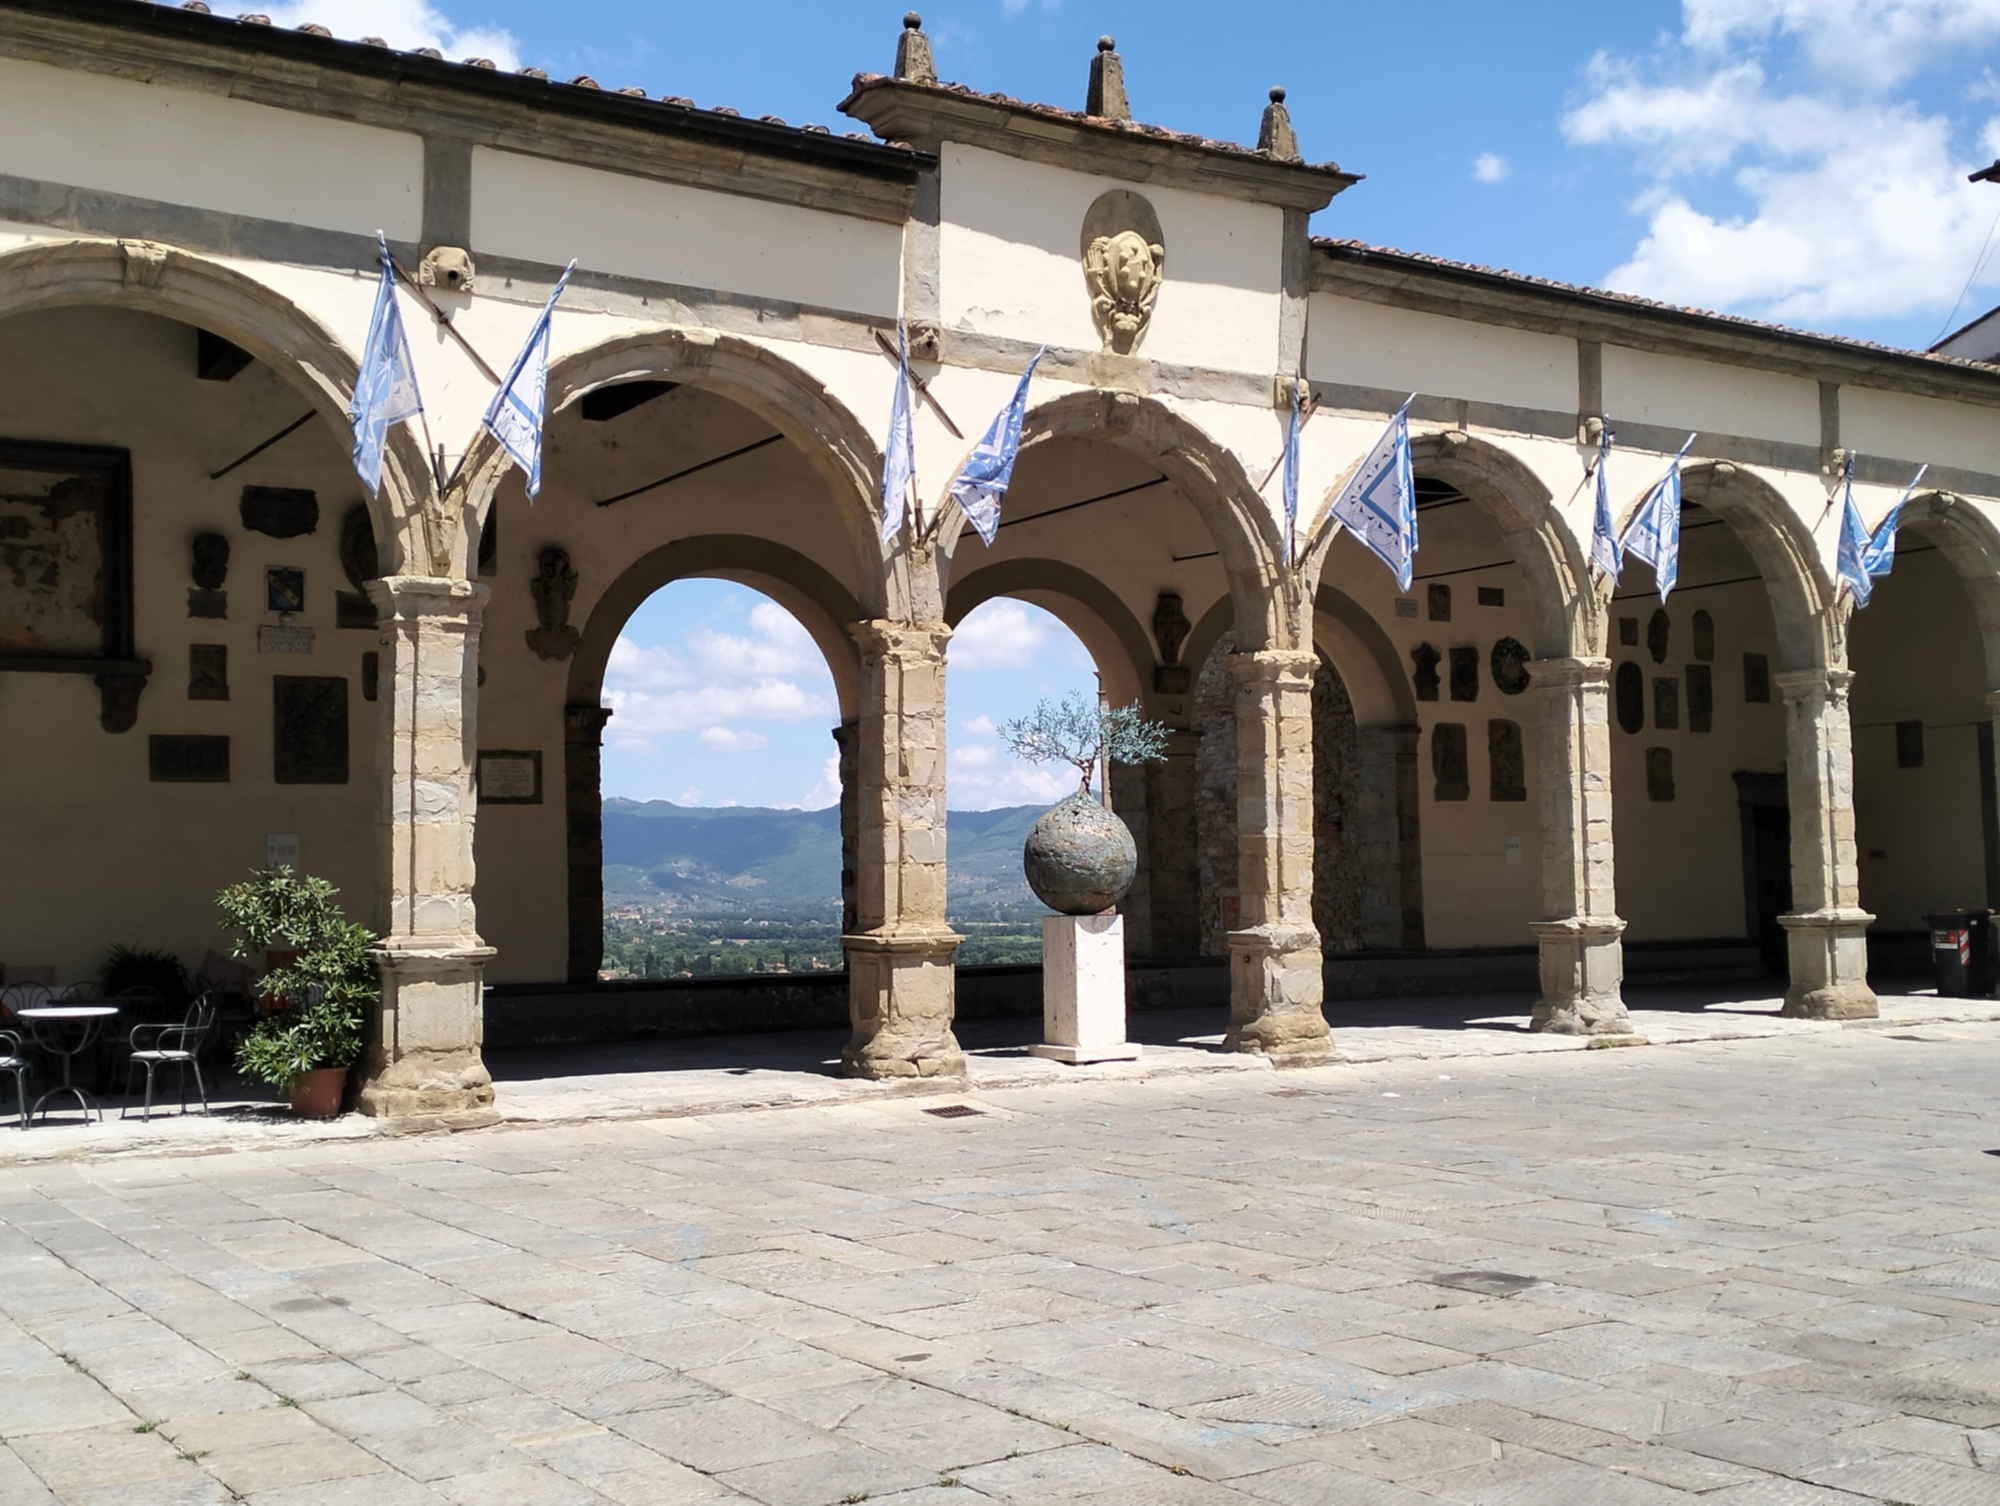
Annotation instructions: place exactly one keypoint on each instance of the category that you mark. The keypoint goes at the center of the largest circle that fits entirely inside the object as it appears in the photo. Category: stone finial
(1106, 98)
(1274, 136)
(913, 52)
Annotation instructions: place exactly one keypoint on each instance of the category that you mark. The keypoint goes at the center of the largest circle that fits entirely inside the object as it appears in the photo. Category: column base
(1583, 976)
(1828, 950)
(900, 1004)
(421, 1060)
(1276, 986)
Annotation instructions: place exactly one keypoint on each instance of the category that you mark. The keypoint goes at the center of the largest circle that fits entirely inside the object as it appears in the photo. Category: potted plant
(1079, 857)
(325, 989)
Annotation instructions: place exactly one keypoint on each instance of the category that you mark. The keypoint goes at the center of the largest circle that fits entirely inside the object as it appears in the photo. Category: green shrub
(126, 967)
(326, 989)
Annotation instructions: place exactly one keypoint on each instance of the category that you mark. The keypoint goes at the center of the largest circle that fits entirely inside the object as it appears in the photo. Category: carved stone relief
(554, 587)
(1124, 260)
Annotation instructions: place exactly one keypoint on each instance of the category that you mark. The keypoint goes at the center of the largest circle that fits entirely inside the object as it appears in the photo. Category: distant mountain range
(749, 859)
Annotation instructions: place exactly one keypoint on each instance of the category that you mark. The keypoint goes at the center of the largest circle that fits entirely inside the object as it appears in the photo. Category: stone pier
(1826, 934)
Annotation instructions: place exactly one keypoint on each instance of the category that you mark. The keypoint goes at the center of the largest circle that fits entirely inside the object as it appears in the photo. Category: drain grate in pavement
(956, 1111)
(1488, 1283)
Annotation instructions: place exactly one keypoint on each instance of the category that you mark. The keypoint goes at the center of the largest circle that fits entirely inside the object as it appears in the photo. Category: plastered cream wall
(1010, 262)
(1680, 862)
(541, 210)
(176, 146)
(96, 853)
(1374, 345)
(1916, 656)
(1674, 391)
(522, 850)
(1917, 429)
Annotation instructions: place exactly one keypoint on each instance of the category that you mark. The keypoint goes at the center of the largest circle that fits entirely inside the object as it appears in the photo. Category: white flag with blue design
(515, 415)
(899, 460)
(1865, 557)
(1604, 550)
(1290, 484)
(983, 480)
(1379, 503)
(385, 388)
(1848, 559)
(1654, 534)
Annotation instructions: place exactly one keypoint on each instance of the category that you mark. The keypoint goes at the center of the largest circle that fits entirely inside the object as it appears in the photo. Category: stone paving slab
(1751, 1272)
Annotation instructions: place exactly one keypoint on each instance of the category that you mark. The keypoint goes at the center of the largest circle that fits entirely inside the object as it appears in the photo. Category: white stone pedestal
(1083, 989)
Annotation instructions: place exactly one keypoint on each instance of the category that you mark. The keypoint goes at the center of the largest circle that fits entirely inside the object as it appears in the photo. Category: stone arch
(822, 605)
(192, 289)
(809, 592)
(1083, 604)
(833, 442)
(1969, 540)
(1367, 660)
(1205, 472)
(1569, 618)
(1783, 551)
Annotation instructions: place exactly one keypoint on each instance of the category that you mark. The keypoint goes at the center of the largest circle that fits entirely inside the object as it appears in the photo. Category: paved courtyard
(1755, 1272)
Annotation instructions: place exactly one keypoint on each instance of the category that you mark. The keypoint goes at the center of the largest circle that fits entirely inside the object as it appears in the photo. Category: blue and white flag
(385, 388)
(1654, 534)
(1290, 484)
(514, 417)
(1379, 503)
(982, 481)
(1864, 557)
(1604, 550)
(899, 460)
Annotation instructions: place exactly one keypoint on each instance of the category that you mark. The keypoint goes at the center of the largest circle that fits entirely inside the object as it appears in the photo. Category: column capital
(1568, 674)
(1273, 666)
(917, 640)
(1799, 686)
(413, 596)
(581, 720)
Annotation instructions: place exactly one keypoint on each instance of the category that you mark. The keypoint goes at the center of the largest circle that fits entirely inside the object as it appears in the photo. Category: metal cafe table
(68, 1030)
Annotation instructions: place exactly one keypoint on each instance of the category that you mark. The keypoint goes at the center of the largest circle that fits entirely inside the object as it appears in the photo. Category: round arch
(1083, 604)
(1202, 470)
(836, 445)
(191, 289)
(1783, 553)
(823, 606)
(1353, 642)
(1967, 538)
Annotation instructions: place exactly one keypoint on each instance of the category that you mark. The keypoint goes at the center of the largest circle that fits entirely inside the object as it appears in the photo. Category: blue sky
(1795, 160)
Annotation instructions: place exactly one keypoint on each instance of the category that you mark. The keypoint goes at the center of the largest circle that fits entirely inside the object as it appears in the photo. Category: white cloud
(729, 740)
(981, 778)
(827, 791)
(689, 796)
(403, 24)
(980, 726)
(711, 679)
(1491, 167)
(998, 634)
(1787, 182)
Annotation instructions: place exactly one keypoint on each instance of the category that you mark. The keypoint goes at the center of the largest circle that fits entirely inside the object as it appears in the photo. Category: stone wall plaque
(1406, 606)
(1756, 679)
(1628, 632)
(1465, 673)
(1450, 766)
(1438, 599)
(1667, 704)
(1629, 691)
(209, 565)
(1424, 671)
(66, 524)
(309, 729)
(187, 760)
(282, 638)
(1659, 632)
(208, 671)
(1701, 698)
(284, 589)
(1507, 763)
(283, 512)
(510, 776)
(371, 670)
(1660, 774)
(1909, 745)
(1509, 663)
(1493, 596)
(1704, 637)
(1124, 262)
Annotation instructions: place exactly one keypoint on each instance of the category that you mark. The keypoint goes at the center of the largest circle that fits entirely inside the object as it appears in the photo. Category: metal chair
(12, 1060)
(16, 997)
(178, 1046)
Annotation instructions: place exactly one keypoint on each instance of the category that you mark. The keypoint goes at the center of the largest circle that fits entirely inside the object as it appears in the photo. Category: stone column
(1583, 955)
(583, 820)
(1826, 934)
(899, 957)
(847, 738)
(1130, 800)
(1275, 979)
(421, 1051)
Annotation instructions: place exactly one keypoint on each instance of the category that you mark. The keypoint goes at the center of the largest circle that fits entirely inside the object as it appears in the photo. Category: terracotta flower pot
(316, 1095)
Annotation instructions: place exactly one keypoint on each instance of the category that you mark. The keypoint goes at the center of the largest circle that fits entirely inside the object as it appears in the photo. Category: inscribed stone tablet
(309, 729)
(187, 760)
(1449, 762)
(510, 776)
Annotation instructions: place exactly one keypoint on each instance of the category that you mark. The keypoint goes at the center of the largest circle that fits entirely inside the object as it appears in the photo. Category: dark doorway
(1767, 864)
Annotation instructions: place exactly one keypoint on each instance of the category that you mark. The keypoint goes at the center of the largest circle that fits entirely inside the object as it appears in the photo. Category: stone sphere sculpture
(1079, 857)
